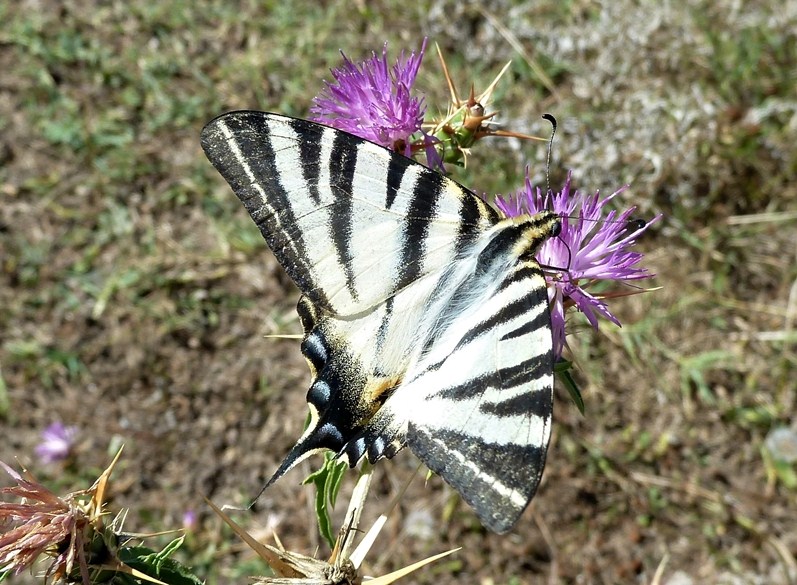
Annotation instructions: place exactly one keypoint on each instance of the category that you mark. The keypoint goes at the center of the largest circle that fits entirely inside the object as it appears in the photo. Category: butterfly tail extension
(342, 398)
(300, 451)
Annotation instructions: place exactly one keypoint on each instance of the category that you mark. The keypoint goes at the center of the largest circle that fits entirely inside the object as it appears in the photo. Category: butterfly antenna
(569, 254)
(552, 121)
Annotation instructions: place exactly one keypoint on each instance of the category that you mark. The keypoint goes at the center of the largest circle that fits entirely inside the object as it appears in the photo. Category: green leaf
(158, 565)
(171, 548)
(563, 369)
(786, 474)
(5, 404)
(327, 482)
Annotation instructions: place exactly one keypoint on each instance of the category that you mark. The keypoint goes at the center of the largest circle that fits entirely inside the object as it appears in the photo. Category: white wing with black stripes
(425, 315)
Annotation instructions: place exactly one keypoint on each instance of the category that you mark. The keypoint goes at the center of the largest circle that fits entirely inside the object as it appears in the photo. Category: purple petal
(57, 442)
(593, 245)
(374, 101)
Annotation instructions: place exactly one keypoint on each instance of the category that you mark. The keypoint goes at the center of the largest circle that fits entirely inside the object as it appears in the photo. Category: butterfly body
(425, 314)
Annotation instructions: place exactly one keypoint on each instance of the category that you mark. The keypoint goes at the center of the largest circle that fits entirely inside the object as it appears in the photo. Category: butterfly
(425, 315)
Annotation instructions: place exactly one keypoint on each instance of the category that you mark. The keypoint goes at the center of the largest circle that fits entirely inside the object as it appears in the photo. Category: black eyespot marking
(376, 449)
(354, 450)
(331, 433)
(315, 350)
(319, 394)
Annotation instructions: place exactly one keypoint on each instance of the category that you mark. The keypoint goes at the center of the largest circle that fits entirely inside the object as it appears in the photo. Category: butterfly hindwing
(490, 436)
(425, 314)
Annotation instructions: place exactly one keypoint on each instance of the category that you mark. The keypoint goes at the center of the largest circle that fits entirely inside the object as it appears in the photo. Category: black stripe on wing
(310, 157)
(342, 166)
(535, 403)
(491, 265)
(420, 215)
(396, 168)
(469, 464)
(471, 211)
(250, 150)
(533, 298)
(529, 370)
(488, 431)
(240, 147)
(381, 334)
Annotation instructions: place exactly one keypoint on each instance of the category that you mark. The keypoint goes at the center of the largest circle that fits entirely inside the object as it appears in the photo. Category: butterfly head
(538, 227)
(552, 222)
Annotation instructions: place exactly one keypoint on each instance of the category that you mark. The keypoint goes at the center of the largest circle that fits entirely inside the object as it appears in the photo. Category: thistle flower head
(374, 101)
(57, 442)
(466, 122)
(593, 245)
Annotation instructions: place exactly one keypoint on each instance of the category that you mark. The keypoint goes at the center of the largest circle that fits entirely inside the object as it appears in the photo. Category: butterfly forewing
(351, 222)
(425, 315)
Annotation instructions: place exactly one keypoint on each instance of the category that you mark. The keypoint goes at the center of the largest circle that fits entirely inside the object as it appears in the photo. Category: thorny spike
(466, 122)
(473, 122)
(511, 134)
(488, 93)
(472, 97)
(473, 101)
(451, 88)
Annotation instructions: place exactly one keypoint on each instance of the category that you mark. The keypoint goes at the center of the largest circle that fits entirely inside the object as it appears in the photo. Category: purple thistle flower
(591, 247)
(57, 442)
(373, 101)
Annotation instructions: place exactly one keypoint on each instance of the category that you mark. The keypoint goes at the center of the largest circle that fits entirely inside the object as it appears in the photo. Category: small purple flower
(590, 247)
(190, 520)
(373, 101)
(57, 442)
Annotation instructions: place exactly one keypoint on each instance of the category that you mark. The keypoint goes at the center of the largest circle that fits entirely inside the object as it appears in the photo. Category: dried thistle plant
(72, 531)
(343, 566)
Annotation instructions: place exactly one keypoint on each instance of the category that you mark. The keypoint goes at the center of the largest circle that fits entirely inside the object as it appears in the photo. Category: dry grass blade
(786, 558)
(99, 489)
(451, 88)
(762, 218)
(687, 487)
(272, 556)
(368, 540)
(396, 575)
(547, 536)
(353, 514)
(516, 44)
(120, 567)
(660, 570)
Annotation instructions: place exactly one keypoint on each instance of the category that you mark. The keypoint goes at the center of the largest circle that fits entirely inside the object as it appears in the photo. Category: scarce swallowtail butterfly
(425, 315)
